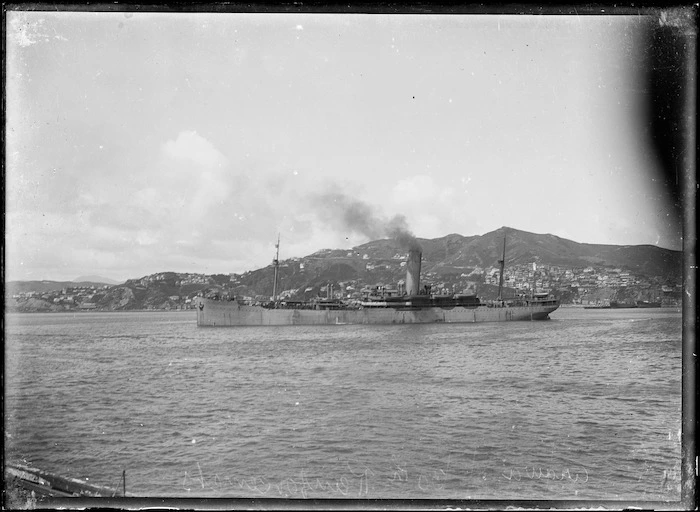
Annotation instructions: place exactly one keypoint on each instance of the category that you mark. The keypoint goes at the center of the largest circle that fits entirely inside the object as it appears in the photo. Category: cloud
(415, 190)
(190, 177)
(192, 147)
(40, 244)
(200, 210)
(430, 206)
(421, 190)
(139, 214)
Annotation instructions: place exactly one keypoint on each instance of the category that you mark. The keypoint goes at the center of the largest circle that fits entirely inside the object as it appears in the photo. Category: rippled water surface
(584, 406)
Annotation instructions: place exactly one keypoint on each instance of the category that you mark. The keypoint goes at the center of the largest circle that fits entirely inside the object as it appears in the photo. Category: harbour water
(584, 406)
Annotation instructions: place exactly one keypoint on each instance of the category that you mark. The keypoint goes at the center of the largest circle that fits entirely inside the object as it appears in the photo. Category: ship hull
(218, 313)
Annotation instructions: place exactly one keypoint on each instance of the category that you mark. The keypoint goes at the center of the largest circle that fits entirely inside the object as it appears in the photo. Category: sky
(147, 142)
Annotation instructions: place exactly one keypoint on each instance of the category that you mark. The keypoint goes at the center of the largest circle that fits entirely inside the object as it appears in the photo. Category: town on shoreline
(176, 291)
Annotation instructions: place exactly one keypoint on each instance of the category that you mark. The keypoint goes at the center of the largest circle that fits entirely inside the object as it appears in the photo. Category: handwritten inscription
(358, 480)
(539, 473)
(355, 482)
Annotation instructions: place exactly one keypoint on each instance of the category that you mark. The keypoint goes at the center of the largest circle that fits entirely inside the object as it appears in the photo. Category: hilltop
(575, 272)
(94, 279)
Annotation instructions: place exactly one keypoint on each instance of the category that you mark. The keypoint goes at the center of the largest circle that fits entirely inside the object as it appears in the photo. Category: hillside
(525, 247)
(453, 263)
(447, 260)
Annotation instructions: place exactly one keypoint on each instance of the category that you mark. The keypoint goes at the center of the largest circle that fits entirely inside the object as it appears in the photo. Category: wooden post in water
(124, 482)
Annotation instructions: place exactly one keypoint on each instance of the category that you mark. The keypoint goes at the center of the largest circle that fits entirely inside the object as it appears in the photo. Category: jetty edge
(33, 484)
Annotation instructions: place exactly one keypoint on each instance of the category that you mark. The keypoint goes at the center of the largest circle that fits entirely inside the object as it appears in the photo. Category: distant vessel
(622, 305)
(626, 305)
(648, 304)
(414, 306)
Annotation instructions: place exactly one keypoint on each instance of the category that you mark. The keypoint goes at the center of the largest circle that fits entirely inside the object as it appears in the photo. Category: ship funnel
(413, 272)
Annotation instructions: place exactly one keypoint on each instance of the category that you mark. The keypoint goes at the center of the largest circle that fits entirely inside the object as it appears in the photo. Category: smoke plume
(349, 214)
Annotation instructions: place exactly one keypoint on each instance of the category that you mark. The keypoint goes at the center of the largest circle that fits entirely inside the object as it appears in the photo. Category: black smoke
(346, 213)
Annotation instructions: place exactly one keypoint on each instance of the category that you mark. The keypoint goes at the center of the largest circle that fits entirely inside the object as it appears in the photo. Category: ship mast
(276, 263)
(502, 262)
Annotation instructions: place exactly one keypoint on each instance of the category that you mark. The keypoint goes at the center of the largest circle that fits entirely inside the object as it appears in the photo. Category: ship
(410, 304)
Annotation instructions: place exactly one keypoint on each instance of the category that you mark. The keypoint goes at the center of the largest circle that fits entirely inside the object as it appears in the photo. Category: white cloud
(211, 189)
(191, 178)
(144, 237)
(412, 189)
(138, 216)
(420, 190)
(40, 244)
(197, 208)
(189, 145)
(427, 206)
